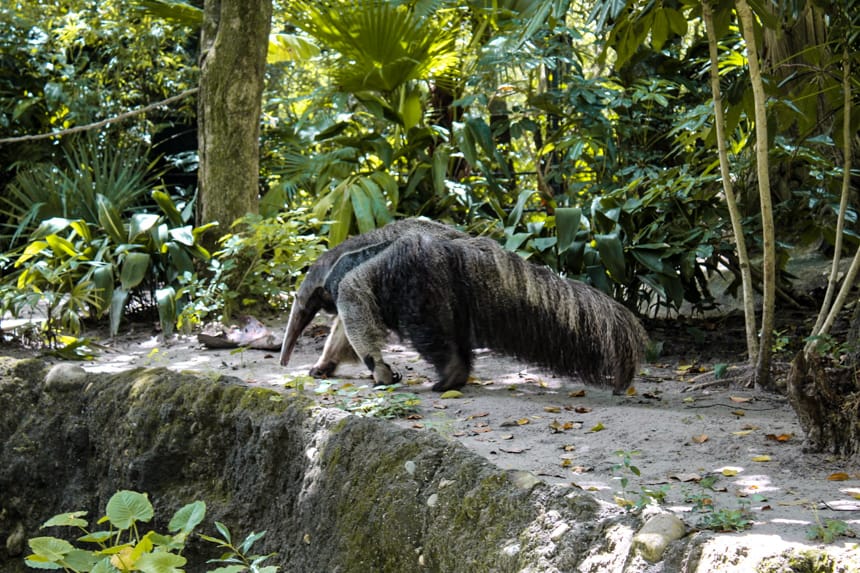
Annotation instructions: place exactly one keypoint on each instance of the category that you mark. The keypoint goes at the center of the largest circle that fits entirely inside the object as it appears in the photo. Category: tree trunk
(731, 201)
(827, 403)
(762, 376)
(233, 59)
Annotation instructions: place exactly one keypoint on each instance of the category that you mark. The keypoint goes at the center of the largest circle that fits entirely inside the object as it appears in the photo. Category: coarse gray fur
(331, 266)
(449, 296)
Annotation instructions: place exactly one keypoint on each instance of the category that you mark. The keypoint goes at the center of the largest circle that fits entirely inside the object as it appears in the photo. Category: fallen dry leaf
(764, 458)
(577, 394)
(597, 427)
(568, 447)
(523, 421)
(507, 436)
(631, 391)
(451, 394)
(478, 415)
(740, 399)
(582, 410)
(779, 438)
(700, 439)
(742, 433)
(552, 409)
(729, 472)
(739, 413)
(838, 476)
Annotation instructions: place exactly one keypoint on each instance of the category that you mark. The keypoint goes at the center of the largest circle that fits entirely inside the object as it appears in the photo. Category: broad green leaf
(31, 250)
(104, 566)
(342, 216)
(179, 258)
(167, 207)
(60, 245)
(660, 29)
(611, 254)
(653, 261)
(360, 196)
(184, 235)
(166, 300)
(677, 21)
(104, 284)
(80, 560)
(160, 562)
(188, 517)
(82, 228)
(38, 562)
(567, 220)
(50, 548)
(517, 212)
(290, 47)
(440, 170)
(229, 569)
(126, 507)
(51, 226)
(389, 187)
(134, 269)
(466, 143)
(516, 240)
(251, 539)
(110, 220)
(117, 306)
(411, 110)
(482, 134)
(141, 223)
(96, 537)
(72, 519)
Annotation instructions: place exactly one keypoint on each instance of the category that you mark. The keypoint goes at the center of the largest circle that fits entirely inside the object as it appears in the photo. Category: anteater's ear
(349, 261)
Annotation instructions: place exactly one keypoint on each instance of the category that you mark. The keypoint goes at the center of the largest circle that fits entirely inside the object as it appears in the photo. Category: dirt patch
(748, 443)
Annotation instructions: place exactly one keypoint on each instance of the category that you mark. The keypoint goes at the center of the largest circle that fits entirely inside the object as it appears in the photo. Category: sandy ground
(567, 433)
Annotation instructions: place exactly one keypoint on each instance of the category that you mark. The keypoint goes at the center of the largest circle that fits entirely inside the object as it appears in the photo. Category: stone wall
(335, 493)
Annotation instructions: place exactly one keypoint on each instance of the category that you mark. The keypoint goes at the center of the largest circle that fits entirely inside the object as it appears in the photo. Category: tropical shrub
(258, 263)
(73, 269)
(124, 547)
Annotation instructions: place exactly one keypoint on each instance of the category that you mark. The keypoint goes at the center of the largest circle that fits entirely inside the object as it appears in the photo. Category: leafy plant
(829, 530)
(86, 168)
(645, 495)
(74, 269)
(725, 519)
(123, 546)
(261, 260)
(238, 557)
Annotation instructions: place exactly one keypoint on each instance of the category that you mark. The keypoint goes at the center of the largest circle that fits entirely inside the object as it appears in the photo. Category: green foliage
(727, 520)
(258, 263)
(69, 185)
(73, 269)
(238, 558)
(378, 402)
(829, 530)
(720, 519)
(644, 495)
(123, 547)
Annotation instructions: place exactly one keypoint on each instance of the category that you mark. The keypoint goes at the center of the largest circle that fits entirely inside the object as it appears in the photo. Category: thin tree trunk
(731, 200)
(827, 314)
(233, 59)
(762, 375)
